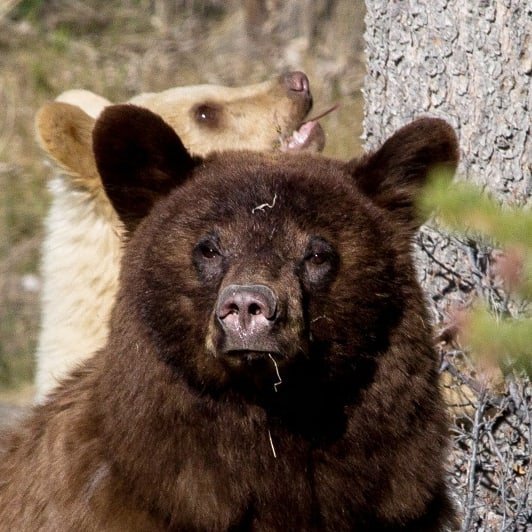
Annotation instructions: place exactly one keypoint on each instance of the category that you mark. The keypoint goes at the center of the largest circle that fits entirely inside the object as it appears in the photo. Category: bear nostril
(254, 309)
(227, 308)
(297, 82)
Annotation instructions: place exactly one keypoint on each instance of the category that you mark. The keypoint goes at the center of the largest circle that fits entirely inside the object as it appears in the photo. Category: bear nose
(297, 82)
(246, 309)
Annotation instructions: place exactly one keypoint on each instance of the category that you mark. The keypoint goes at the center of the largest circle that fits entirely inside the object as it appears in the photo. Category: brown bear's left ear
(394, 175)
(140, 159)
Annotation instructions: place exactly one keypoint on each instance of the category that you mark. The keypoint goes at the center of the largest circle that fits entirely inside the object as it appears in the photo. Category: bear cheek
(336, 317)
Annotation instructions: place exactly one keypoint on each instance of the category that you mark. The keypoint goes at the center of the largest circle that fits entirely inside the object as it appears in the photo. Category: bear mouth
(309, 136)
(252, 355)
(262, 368)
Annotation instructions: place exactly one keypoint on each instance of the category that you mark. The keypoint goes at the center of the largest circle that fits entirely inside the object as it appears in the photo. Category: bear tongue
(309, 136)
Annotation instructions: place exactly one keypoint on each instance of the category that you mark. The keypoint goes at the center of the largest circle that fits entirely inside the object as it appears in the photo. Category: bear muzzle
(247, 315)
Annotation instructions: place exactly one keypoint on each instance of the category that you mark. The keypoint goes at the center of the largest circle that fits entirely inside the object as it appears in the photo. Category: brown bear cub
(270, 363)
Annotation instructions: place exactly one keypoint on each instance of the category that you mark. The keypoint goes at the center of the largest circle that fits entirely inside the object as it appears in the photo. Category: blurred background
(118, 50)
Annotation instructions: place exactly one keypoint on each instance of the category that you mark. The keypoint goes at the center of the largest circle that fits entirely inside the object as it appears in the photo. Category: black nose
(297, 82)
(246, 309)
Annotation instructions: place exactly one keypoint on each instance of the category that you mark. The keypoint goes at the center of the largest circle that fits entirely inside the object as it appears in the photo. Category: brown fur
(165, 429)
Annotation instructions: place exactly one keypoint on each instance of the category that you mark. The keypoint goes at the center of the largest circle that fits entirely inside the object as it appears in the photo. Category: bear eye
(319, 252)
(320, 261)
(207, 114)
(208, 259)
(318, 258)
(208, 250)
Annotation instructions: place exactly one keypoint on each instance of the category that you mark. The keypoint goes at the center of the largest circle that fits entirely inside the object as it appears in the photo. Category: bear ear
(394, 175)
(140, 159)
(93, 104)
(64, 132)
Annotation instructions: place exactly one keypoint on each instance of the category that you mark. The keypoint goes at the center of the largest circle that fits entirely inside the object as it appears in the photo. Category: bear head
(263, 116)
(267, 274)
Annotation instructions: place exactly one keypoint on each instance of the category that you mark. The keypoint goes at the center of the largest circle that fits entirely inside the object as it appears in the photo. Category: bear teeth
(310, 135)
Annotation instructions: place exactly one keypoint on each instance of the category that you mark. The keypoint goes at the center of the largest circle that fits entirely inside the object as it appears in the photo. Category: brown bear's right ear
(140, 159)
(394, 175)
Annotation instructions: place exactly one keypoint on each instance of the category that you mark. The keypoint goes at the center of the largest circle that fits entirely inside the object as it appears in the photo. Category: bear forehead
(252, 183)
(255, 191)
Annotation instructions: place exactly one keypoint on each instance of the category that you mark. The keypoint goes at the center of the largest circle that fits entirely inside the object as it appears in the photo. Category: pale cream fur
(83, 237)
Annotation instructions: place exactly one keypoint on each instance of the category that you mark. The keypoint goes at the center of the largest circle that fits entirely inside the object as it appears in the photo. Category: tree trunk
(468, 62)
(471, 64)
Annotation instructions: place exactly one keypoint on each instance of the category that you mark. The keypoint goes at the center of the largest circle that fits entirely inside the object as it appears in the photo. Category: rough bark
(468, 62)
(471, 64)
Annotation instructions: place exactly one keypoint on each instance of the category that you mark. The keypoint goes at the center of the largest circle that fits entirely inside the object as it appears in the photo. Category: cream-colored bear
(82, 245)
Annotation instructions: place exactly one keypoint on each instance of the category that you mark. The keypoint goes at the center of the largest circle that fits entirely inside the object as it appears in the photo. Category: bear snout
(246, 314)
